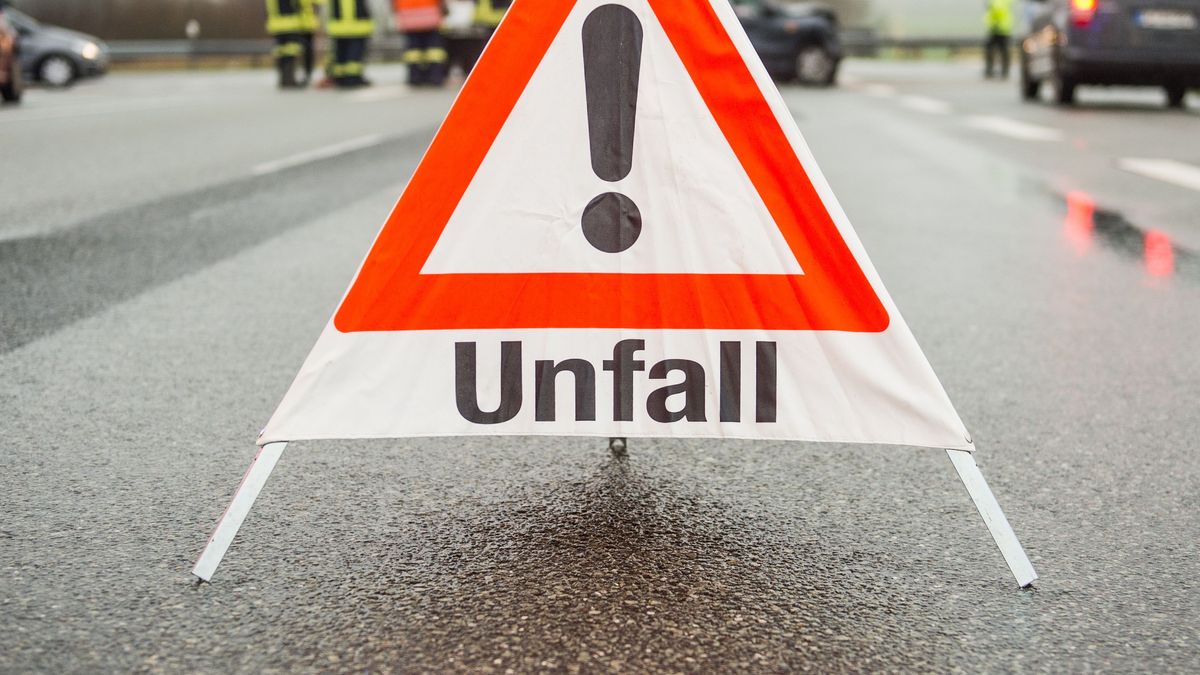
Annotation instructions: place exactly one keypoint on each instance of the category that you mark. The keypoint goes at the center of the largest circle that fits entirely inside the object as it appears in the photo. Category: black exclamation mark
(612, 59)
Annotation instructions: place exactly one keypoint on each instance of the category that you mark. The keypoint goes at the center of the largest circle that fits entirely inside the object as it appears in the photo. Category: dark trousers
(308, 57)
(464, 52)
(288, 48)
(426, 56)
(997, 44)
(349, 61)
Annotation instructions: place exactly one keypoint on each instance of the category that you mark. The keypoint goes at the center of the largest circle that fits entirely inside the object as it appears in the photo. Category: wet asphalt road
(164, 276)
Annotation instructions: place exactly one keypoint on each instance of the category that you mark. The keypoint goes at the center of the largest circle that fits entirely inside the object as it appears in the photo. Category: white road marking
(380, 94)
(1014, 129)
(925, 104)
(879, 90)
(1166, 170)
(55, 112)
(316, 154)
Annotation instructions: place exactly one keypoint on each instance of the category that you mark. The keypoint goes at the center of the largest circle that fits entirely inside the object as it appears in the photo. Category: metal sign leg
(993, 517)
(227, 527)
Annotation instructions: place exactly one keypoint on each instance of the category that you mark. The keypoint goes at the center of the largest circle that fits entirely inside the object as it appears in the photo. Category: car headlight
(90, 51)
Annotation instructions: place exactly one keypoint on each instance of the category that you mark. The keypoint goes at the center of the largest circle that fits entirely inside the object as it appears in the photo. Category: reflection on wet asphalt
(1086, 223)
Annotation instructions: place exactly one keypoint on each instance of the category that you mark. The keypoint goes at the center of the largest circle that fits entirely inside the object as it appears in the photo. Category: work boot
(287, 72)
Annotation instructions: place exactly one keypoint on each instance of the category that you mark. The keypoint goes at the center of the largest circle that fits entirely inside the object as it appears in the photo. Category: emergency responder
(310, 23)
(486, 18)
(999, 19)
(489, 12)
(284, 24)
(424, 46)
(350, 27)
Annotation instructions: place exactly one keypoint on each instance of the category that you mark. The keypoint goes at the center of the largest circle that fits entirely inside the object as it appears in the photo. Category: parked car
(795, 40)
(57, 56)
(1111, 42)
(10, 68)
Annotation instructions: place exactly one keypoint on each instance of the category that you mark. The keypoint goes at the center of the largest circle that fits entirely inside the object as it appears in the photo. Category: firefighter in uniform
(350, 27)
(310, 23)
(486, 18)
(284, 24)
(489, 12)
(424, 46)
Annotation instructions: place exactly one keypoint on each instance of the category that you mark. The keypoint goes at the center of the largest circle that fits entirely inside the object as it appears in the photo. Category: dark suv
(795, 40)
(1112, 42)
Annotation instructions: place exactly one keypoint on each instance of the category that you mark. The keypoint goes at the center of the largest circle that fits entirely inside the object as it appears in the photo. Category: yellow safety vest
(489, 12)
(283, 16)
(350, 19)
(1000, 16)
(309, 21)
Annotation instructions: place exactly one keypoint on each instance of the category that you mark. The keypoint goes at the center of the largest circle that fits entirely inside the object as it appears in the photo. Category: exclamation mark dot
(612, 59)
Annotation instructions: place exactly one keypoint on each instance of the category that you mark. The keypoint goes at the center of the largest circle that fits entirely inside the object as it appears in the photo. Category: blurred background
(182, 204)
(233, 19)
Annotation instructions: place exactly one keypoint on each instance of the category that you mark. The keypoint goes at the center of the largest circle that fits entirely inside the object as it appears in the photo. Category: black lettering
(765, 386)
(545, 393)
(466, 394)
(731, 382)
(692, 389)
(623, 366)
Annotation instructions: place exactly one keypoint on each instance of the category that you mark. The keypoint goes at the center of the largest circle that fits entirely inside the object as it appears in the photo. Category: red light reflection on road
(1080, 224)
(1159, 255)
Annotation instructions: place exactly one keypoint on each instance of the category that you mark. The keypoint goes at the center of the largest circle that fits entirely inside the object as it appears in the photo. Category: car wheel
(11, 91)
(816, 66)
(1064, 90)
(1030, 88)
(1176, 96)
(56, 70)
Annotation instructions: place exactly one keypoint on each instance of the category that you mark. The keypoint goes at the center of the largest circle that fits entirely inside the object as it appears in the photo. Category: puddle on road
(1087, 225)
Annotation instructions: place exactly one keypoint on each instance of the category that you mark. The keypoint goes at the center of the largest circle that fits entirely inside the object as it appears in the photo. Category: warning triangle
(733, 232)
(672, 267)
(619, 231)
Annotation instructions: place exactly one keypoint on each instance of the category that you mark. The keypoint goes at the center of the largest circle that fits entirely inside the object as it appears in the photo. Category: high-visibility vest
(283, 16)
(309, 21)
(417, 15)
(999, 16)
(350, 19)
(489, 12)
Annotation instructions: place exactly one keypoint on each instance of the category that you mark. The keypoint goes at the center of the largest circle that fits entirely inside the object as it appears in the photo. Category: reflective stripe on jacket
(1000, 16)
(283, 16)
(309, 21)
(417, 15)
(350, 19)
(489, 12)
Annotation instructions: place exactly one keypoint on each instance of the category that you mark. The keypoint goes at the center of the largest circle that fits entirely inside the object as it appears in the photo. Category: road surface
(172, 244)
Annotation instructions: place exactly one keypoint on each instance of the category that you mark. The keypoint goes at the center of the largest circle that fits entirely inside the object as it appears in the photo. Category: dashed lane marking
(926, 104)
(316, 154)
(879, 90)
(380, 94)
(1166, 170)
(54, 112)
(1013, 129)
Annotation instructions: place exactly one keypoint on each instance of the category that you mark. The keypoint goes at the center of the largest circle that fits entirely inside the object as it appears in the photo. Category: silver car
(57, 56)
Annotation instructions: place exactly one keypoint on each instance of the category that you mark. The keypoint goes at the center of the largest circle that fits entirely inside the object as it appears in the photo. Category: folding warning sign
(619, 231)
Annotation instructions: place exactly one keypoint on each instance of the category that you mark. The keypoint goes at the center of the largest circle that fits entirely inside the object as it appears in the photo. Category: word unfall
(623, 365)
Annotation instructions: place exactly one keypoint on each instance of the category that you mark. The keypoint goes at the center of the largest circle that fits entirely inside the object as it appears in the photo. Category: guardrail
(126, 51)
(856, 42)
(868, 43)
